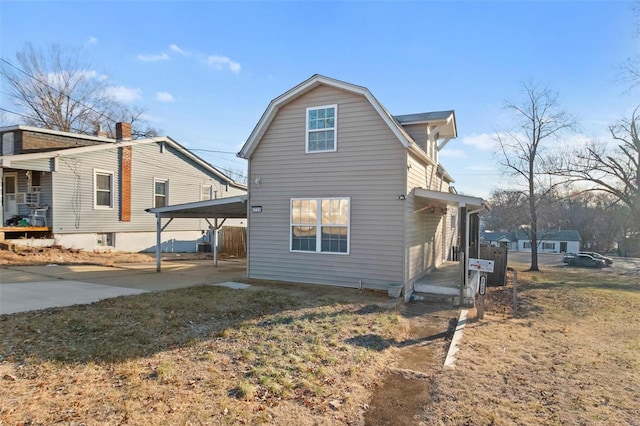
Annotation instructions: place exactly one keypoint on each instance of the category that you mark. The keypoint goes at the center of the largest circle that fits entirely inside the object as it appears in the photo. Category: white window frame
(318, 225)
(210, 190)
(547, 245)
(112, 180)
(165, 195)
(334, 128)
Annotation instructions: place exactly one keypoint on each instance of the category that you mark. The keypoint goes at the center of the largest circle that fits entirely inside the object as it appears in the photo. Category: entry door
(563, 247)
(10, 187)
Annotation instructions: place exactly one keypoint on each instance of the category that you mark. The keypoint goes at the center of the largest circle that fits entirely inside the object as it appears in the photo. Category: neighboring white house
(552, 241)
(91, 192)
(343, 193)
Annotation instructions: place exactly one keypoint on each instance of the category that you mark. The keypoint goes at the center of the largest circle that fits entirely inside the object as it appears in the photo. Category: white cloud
(92, 40)
(483, 142)
(452, 153)
(222, 62)
(124, 94)
(153, 58)
(164, 97)
(175, 48)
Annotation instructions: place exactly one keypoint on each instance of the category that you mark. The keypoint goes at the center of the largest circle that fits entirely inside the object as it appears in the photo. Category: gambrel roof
(394, 123)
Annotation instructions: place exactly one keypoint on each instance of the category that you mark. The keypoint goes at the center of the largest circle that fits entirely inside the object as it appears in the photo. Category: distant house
(343, 193)
(91, 192)
(551, 241)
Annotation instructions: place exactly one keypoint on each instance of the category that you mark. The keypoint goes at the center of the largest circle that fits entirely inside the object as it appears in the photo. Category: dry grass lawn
(571, 357)
(313, 355)
(202, 355)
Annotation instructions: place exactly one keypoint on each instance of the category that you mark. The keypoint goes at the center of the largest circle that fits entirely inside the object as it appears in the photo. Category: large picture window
(321, 128)
(103, 189)
(320, 225)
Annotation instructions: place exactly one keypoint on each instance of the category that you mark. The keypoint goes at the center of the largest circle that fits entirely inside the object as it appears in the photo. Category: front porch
(443, 284)
(26, 235)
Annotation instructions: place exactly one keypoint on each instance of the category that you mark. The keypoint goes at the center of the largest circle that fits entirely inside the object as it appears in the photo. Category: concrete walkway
(26, 288)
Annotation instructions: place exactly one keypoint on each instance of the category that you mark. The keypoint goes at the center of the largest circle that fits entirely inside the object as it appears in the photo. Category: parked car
(595, 255)
(568, 256)
(581, 259)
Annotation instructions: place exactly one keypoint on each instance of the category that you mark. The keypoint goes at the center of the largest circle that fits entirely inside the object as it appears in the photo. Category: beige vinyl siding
(73, 201)
(367, 168)
(425, 248)
(418, 133)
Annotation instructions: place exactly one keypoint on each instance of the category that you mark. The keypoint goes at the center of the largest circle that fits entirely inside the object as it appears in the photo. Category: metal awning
(471, 203)
(220, 208)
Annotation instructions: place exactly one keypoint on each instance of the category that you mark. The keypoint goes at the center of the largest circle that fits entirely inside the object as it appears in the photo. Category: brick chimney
(123, 131)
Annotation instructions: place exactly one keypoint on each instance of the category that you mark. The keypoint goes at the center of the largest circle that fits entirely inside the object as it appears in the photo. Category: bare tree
(57, 89)
(508, 211)
(616, 172)
(526, 156)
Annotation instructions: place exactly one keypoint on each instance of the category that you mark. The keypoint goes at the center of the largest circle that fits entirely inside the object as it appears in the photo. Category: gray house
(91, 192)
(343, 193)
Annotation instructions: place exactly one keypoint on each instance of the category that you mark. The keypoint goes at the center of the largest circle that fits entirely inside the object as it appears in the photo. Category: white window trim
(112, 175)
(210, 187)
(307, 130)
(153, 191)
(318, 226)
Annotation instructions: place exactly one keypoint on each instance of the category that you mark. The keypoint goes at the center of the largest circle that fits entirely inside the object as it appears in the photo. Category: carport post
(159, 229)
(158, 242)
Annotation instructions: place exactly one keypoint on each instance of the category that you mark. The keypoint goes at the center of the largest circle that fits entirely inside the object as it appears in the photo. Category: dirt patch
(405, 391)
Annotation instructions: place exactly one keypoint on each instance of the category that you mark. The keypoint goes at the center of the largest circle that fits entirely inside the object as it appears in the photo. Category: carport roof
(229, 208)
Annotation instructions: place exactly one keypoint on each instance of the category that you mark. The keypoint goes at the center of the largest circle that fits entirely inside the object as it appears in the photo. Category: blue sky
(205, 71)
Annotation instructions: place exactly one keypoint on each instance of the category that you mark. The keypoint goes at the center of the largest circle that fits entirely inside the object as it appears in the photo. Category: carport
(219, 210)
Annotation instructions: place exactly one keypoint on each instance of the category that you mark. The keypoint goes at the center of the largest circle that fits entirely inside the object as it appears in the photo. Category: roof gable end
(304, 87)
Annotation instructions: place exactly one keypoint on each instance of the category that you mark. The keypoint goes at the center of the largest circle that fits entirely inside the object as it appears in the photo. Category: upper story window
(103, 189)
(160, 192)
(7, 143)
(206, 193)
(321, 129)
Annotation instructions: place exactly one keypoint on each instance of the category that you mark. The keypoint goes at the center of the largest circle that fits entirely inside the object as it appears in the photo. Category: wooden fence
(499, 256)
(233, 241)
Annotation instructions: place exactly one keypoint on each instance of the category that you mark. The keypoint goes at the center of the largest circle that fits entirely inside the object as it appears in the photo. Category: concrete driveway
(27, 288)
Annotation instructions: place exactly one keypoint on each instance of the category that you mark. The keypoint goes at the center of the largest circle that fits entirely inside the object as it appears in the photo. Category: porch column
(463, 244)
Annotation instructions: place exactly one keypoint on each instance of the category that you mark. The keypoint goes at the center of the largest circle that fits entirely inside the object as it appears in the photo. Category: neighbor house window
(205, 192)
(105, 239)
(34, 181)
(160, 192)
(527, 245)
(548, 246)
(320, 225)
(103, 189)
(321, 128)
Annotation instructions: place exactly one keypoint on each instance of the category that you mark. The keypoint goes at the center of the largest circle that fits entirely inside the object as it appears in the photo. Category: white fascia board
(462, 200)
(199, 204)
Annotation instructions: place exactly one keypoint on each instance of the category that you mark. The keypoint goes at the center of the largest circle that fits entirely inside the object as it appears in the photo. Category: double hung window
(103, 189)
(321, 129)
(160, 193)
(320, 225)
